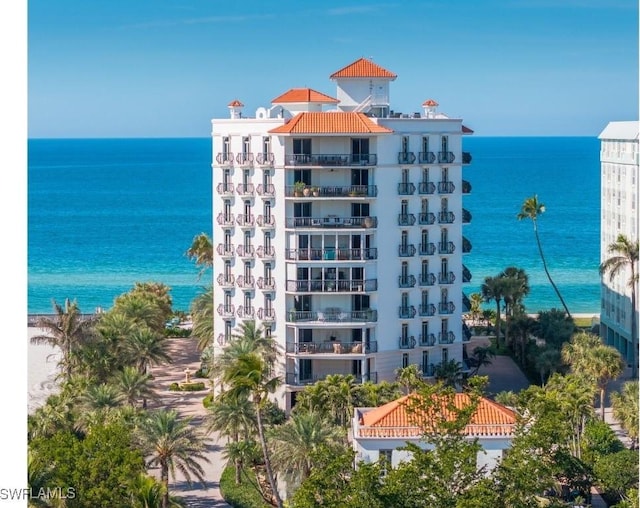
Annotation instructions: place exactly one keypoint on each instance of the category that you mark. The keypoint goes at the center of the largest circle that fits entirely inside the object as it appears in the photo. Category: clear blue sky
(161, 68)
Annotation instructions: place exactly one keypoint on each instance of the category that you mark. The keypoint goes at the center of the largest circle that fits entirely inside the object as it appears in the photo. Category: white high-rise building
(338, 226)
(620, 176)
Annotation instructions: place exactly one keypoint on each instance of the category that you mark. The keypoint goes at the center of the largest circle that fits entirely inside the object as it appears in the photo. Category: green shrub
(191, 387)
(208, 401)
(174, 331)
(240, 496)
(201, 373)
(174, 387)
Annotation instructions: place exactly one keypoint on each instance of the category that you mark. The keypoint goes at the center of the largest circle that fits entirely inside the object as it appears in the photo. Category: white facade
(367, 275)
(620, 175)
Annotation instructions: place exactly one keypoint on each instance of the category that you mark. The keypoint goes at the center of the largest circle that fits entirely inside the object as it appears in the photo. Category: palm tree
(67, 330)
(145, 348)
(515, 288)
(481, 357)
(625, 409)
(340, 397)
(492, 289)
(547, 362)
(625, 257)
(531, 209)
(141, 310)
(173, 443)
(409, 377)
(133, 386)
(201, 251)
(449, 372)
(476, 306)
(202, 317)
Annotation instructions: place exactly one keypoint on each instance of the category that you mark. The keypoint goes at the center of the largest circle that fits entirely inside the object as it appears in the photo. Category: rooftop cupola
(235, 109)
(430, 108)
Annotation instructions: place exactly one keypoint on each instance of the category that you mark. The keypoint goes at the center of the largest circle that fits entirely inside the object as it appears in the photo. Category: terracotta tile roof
(303, 95)
(330, 122)
(394, 420)
(236, 104)
(466, 130)
(429, 102)
(363, 68)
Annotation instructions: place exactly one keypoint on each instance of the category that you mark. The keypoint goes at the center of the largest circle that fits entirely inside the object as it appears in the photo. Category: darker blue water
(106, 213)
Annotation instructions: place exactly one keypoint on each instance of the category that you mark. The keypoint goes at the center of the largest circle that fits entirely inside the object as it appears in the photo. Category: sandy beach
(41, 370)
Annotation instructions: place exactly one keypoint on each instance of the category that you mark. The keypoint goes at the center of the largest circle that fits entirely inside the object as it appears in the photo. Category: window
(302, 209)
(405, 144)
(405, 177)
(445, 143)
(227, 239)
(384, 458)
(226, 145)
(266, 145)
(227, 331)
(444, 266)
(404, 207)
(444, 235)
(227, 209)
(245, 178)
(247, 270)
(266, 178)
(405, 270)
(302, 175)
(247, 301)
(444, 204)
(424, 206)
(302, 146)
(267, 209)
(445, 174)
(445, 355)
(424, 236)
(247, 209)
(425, 361)
(226, 181)
(247, 240)
(227, 300)
(425, 175)
(425, 298)
(267, 240)
(404, 239)
(424, 269)
(425, 145)
(246, 145)
(404, 299)
(360, 149)
(405, 360)
(444, 297)
(227, 270)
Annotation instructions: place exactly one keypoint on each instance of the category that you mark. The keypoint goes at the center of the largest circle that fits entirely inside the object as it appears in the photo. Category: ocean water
(105, 213)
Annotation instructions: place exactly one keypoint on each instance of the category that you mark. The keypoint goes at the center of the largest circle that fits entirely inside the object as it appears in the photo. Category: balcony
(330, 254)
(408, 342)
(266, 252)
(406, 219)
(246, 312)
(426, 218)
(446, 247)
(466, 187)
(246, 282)
(406, 312)
(225, 219)
(406, 189)
(331, 160)
(427, 339)
(446, 157)
(245, 189)
(426, 310)
(332, 315)
(246, 251)
(266, 314)
(406, 250)
(332, 348)
(446, 278)
(265, 159)
(446, 217)
(244, 159)
(466, 245)
(466, 216)
(267, 190)
(426, 157)
(406, 281)
(333, 191)
(446, 338)
(446, 187)
(225, 251)
(225, 189)
(226, 311)
(227, 281)
(266, 283)
(446, 308)
(224, 159)
(332, 286)
(426, 187)
(466, 158)
(466, 303)
(293, 379)
(331, 222)
(426, 279)
(426, 249)
(245, 220)
(466, 274)
(406, 157)
(266, 221)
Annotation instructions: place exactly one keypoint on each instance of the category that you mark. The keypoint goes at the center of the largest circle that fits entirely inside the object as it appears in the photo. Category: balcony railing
(244, 159)
(446, 187)
(293, 379)
(333, 347)
(426, 188)
(225, 219)
(466, 245)
(245, 189)
(224, 159)
(331, 222)
(427, 339)
(226, 281)
(225, 251)
(446, 247)
(466, 187)
(226, 310)
(406, 189)
(446, 308)
(446, 157)
(446, 278)
(246, 281)
(266, 314)
(408, 342)
(406, 219)
(466, 158)
(427, 310)
(426, 279)
(406, 281)
(446, 217)
(245, 220)
(466, 216)
(246, 312)
(426, 157)
(426, 218)
(268, 190)
(332, 191)
(348, 159)
(332, 286)
(266, 221)
(406, 157)
(446, 337)
(266, 251)
(406, 250)
(332, 315)
(225, 189)
(265, 159)
(466, 303)
(466, 274)
(266, 283)
(407, 312)
(246, 251)
(426, 249)
(330, 254)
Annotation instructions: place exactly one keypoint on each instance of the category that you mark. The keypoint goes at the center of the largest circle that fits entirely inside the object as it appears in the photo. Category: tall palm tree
(141, 310)
(625, 409)
(480, 357)
(145, 348)
(547, 362)
(625, 257)
(201, 251)
(202, 317)
(532, 209)
(133, 386)
(492, 289)
(449, 372)
(172, 443)
(476, 306)
(67, 330)
(409, 377)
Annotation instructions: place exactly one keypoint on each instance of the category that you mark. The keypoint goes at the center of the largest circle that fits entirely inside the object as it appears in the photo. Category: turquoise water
(105, 213)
